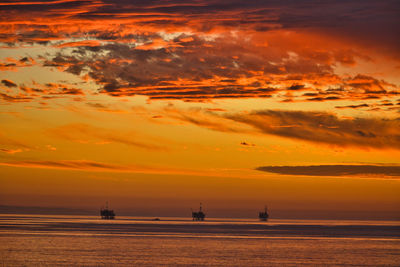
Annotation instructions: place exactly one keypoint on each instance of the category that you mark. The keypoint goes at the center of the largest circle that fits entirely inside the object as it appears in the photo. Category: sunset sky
(156, 106)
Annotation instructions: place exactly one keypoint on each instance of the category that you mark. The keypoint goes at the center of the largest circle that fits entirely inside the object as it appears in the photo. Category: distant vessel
(199, 215)
(263, 215)
(107, 214)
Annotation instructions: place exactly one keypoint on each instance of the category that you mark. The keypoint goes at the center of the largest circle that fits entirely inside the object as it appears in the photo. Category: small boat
(198, 215)
(263, 215)
(107, 214)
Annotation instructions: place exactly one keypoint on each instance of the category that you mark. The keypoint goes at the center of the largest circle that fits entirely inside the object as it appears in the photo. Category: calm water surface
(33, 240)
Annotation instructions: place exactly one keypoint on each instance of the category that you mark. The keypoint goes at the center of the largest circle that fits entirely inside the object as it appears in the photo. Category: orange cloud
(46, 91)
(11, 64)
(225, 67)
(12, 146)
(11, 151)
(16, 98)
(86, 43)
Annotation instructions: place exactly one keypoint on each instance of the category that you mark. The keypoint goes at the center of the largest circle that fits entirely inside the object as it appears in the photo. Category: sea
(65, 240)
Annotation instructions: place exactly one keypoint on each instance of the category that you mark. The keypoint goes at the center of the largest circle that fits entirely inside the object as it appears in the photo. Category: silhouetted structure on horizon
(107, 214)
(199, 215)
(263, 215)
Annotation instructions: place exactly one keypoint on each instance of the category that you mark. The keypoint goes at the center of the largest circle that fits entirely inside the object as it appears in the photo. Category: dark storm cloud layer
(335, 170)
(193, 69)
(170, 73)
(315, 127)
(372, 22)
(366, 19)
(122, 46)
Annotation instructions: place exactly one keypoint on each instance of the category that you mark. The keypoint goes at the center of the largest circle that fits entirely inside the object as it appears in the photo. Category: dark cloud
(69, 91)
(321, 99)
(200, 70)
(247, 144)
(296, 87)
(315, 127)
(16, 98)
(322, 127)
(13, 64)
(176, 72)
(382, 171)
(354, 106)
(8, 83)
(46, 91)
(370, 21)
(134, 47)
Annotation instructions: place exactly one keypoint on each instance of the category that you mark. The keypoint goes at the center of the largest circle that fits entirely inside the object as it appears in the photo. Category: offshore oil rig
(198, 215)
(107, 214)
(263, 215)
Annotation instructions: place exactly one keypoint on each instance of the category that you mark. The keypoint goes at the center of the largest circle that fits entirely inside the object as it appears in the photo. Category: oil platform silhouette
(107, 214)
(198, 215)
(263, 215)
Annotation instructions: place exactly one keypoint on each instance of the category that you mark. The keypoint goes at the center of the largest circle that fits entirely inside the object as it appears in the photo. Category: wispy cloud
(12, 143)
(380, 171)
(95, 166)
(11, 151)
(84, 165)
(85, 133)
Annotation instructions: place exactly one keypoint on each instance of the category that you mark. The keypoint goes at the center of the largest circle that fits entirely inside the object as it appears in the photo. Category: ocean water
(40, 240)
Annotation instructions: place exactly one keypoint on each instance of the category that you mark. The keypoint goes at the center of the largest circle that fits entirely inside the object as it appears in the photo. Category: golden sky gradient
(156, 106)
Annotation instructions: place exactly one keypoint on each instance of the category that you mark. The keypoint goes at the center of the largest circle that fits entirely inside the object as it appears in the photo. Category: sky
(158, 105)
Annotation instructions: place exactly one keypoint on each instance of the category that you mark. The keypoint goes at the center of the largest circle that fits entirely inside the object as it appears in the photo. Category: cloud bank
(336, 170)
(322, 127)
(315, 127)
